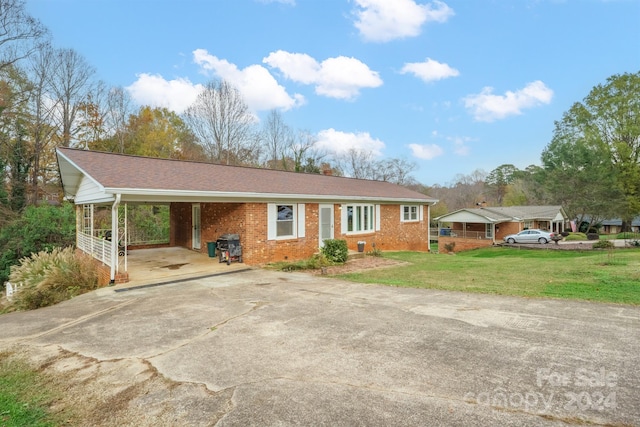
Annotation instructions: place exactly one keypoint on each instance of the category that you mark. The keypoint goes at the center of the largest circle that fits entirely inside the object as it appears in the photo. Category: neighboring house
(278, 215)
(613, 226)
(479, 227)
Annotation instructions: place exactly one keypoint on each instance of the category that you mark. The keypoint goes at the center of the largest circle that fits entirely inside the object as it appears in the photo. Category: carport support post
(114, 239)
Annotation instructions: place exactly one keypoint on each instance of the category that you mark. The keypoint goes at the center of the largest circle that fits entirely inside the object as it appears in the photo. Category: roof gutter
(187, 195)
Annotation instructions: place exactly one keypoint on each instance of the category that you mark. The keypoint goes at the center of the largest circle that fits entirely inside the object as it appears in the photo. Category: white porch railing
(136, 237)
(464, 234)
(12, 289)
(98, 248)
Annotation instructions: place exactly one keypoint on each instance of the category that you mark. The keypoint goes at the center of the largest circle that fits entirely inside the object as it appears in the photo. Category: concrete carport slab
(269, 348)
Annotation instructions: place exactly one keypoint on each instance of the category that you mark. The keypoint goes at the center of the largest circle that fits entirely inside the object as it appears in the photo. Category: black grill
(229, 248)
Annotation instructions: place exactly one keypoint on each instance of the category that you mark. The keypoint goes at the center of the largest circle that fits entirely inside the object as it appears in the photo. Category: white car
(529, 236)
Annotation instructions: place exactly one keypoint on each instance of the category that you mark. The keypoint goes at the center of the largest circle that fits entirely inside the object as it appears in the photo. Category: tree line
(591, 167)
(51, 97)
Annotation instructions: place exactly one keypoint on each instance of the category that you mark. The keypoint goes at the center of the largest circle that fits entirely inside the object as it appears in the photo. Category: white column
(114, 238)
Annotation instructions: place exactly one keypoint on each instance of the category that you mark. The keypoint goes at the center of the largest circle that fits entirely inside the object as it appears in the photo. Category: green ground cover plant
(575, 237)
(26, 395)
(312, 263)
(38, 228)
(587, 275)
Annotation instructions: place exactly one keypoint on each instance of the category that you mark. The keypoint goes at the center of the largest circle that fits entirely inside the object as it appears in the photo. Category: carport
(103, 229)
(154, 266)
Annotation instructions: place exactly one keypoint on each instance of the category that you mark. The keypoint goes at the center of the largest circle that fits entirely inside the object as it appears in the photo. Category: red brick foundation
(462, 244)
(104, 271)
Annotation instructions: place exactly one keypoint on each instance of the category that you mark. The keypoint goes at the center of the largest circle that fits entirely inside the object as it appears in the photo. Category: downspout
(114, 239)
(429, 225)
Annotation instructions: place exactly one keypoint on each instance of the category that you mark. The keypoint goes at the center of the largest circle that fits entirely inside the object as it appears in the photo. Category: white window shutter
(343, 219)
(421, 212)
(377, 217)
(301, 218)
(401, 213)
(272, 215)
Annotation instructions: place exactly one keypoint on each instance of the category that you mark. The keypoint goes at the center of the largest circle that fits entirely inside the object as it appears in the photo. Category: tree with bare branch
(119, 109)
(221, 120)
(71, 82)
(42, 111)
(277, 137)
(20, 33)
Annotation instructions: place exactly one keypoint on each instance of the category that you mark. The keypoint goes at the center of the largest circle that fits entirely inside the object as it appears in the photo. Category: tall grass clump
(37, 228)
(47, 278)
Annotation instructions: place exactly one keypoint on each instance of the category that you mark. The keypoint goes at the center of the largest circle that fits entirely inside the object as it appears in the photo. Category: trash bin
(211, 248)
(361, 246)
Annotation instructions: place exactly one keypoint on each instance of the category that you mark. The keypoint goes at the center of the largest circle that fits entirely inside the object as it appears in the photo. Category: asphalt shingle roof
(125, 172)
(526, 212)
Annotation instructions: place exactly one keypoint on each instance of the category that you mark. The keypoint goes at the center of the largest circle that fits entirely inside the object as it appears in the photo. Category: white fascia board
(79, 175)
(106, 198)
(132, 194)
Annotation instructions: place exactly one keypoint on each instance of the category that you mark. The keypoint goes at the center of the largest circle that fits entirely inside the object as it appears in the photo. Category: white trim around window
(411, 213)
(285, 221)
(359, 218)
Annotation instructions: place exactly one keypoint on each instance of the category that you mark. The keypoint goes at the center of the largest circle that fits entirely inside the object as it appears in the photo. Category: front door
(195, 222)
(326, 223)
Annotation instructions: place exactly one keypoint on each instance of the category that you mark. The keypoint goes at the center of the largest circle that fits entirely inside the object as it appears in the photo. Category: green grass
(606, 276)
(25, 395)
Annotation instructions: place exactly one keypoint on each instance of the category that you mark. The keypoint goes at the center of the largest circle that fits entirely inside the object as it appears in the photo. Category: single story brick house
(480, 227)
(611, 225)
(279, 215)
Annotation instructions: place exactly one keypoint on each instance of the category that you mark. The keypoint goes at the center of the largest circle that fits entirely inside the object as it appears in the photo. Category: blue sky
(454, 85)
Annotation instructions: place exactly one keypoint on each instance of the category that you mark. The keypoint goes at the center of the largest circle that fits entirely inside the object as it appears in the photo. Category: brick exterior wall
(393, 235)
(507, 228)
(462, 244)
(249, 220)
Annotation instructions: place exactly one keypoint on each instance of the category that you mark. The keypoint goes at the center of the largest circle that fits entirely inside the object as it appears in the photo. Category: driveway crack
(256, 306)
(78, 320)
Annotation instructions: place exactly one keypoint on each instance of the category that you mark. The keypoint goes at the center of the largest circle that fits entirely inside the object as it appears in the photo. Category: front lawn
(26, 396)
(606, 276)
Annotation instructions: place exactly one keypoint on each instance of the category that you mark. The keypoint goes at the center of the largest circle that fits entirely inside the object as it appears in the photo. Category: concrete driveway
(270, 348)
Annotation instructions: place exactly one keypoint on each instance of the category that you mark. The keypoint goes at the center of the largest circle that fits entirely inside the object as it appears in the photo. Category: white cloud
(340, 77)
(425, 151)
(338, 142)
(298, 67)
(487, 107)
(430, 70)
(259, 88)
(460, 146)
(385, 20)
(154, 90)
